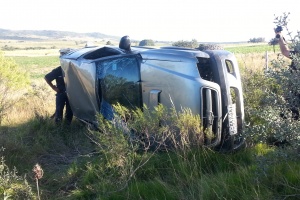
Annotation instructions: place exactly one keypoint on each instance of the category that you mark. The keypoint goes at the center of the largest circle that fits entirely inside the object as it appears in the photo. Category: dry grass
(33, 53)
(39, 100)
(256, 61)
(44, 47)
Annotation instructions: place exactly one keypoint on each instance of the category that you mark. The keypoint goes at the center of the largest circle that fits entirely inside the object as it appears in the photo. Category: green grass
(217, 176)
(37, 66)
(72, 168)
(243, 49)
(37, 62)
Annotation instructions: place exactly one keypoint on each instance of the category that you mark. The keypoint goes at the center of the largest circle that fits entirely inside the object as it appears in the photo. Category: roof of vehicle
(96, 52)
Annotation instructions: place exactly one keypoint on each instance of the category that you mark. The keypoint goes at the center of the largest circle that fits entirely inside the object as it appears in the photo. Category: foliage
(13, 186)
(273, 110)
(273, 41)
(56, 148)
(134, 137)
(294, 38)
(8, 48)
(147, 42)
(210, 47)
(11, 48)
(12, 80)
(257, 40)
(187, 44)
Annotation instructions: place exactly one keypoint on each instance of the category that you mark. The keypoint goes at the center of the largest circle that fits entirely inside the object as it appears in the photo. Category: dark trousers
(61, 102)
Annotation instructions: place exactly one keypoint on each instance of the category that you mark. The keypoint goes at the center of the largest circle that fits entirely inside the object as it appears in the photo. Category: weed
(38, 171)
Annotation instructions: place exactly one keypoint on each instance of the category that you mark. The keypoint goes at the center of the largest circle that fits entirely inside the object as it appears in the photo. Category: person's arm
(283, 46)
(51, 85)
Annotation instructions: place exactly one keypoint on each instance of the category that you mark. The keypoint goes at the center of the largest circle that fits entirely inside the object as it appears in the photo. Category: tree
(147, 42)
(187, 44)
(194, 43)
(256, 40)
(203, 47)
(12, 80)
(109, 43)
(273, 41)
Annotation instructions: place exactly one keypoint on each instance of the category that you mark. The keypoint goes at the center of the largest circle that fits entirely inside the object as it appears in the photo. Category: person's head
(125, 43)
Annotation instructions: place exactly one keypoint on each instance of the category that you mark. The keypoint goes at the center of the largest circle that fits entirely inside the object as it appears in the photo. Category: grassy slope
(71, 162)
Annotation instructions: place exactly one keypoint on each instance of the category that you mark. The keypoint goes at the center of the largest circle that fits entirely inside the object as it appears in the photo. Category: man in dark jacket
(61, 96)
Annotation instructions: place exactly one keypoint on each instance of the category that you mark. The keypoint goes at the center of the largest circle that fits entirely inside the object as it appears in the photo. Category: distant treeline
(11, 48)
(257, 40)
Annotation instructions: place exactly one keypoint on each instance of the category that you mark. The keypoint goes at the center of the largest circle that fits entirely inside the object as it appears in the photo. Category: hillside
(50, 34)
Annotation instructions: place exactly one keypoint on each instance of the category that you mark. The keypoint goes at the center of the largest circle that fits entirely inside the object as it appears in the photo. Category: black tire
(231, 144)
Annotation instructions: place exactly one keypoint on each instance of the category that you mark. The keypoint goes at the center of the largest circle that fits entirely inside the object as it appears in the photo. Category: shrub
(12, 81)
(187, 44)
(147, 42)
(134, 136)
(13, 186)
(210, 47)
(256, 40)
(8, 48)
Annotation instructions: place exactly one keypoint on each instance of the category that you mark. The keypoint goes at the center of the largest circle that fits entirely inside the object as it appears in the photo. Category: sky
(162, 20)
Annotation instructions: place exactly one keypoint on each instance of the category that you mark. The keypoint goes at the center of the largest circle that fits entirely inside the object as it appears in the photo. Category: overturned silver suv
(207, 82)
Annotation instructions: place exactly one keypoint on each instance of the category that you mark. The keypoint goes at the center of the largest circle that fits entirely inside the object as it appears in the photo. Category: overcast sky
(169, 20)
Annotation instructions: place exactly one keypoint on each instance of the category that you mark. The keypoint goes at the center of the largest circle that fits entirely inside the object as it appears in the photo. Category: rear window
(204, 69)
(229, 66)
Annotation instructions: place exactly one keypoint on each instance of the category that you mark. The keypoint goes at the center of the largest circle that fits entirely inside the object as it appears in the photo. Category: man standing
(284, 47)
(294, 68)
(61, 96)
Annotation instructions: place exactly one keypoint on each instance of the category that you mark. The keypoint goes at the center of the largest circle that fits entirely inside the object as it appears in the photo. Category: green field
(244, 49)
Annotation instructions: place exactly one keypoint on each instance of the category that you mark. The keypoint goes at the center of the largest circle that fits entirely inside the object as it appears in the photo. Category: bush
(8, 48)
(146, 43)
(257, 40)
(12, 81)
(13, 186)
(186, 44)
(203, 47)
(129, 141)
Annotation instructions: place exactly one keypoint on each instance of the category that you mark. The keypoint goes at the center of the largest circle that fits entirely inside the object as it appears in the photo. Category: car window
(119, 81)
(229, 66)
